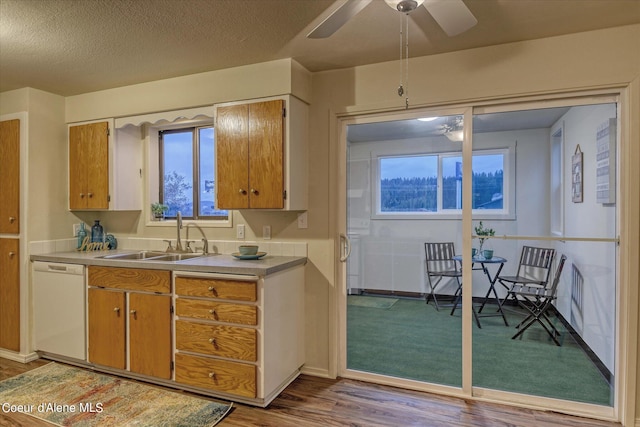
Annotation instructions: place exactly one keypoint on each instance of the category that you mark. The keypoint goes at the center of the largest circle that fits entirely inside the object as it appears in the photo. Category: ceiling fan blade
(338, 18)
(452, 15)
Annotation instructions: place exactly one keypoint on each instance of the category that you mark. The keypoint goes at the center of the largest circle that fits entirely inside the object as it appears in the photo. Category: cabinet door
(266, 155)
(107, 336)
(232, 155)
(10, 294)
(150, 334)
(10, 176)
(89, 166)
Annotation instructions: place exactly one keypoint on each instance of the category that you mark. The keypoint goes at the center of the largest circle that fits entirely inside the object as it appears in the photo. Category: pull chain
(403, 89)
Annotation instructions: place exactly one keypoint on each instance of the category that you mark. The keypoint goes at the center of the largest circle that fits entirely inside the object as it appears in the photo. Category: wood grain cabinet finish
(107, 328)
(217, 311)
(89, 166)
(261, 154)
(136, 301)
(216, 288)
(217, 318)
(218, 375)
(217, 340)
(10, 177)
(10, 294)
(250, 155)
(10, 224)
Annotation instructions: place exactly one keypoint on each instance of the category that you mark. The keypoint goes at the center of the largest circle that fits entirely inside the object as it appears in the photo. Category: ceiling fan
(453, 16)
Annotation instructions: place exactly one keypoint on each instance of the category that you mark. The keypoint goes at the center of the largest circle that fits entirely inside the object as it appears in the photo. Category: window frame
(507, 212)
(152, 149)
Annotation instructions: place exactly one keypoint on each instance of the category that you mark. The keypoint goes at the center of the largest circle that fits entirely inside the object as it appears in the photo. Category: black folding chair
(441, 265)
(534, 268)
(537, 301)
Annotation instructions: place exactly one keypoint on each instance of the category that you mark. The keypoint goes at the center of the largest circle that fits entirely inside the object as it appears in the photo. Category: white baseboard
(315, 372)
(18, 357)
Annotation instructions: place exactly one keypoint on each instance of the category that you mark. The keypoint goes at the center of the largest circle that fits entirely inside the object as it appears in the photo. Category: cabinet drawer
(134, 279)
(219, 311)
(221, 375)
(216, 288)
(219, 340)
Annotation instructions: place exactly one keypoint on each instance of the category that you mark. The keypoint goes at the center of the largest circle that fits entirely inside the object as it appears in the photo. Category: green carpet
(414, 341)
(371, 302)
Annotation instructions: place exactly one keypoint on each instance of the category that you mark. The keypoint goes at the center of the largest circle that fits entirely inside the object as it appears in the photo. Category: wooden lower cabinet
(146, 317)
(215, 374)
(150, 334)
(233, 336)
(107, 328)
(10, 294)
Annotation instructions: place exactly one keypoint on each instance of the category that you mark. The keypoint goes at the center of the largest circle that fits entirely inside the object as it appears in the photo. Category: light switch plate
(240, 231)
(302, 220)
(266, 232)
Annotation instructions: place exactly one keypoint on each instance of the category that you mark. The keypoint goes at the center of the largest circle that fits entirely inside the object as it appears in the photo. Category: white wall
(595, 261)
(392, 250)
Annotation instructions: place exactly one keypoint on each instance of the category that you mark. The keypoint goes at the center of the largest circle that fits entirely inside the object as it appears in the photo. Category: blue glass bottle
(97, 232)
(82, 234)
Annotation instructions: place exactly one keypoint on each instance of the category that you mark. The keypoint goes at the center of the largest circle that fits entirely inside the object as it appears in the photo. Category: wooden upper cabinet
(266, 154)
(261, 155)
(89, 166)
(10, 176)
(232, 156)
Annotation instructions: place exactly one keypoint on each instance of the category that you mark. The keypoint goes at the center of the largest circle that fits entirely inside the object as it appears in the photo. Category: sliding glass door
(516, 192)
(554, 342)
(403, 177)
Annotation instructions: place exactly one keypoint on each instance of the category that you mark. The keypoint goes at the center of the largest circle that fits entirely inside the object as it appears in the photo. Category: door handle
(345, 247)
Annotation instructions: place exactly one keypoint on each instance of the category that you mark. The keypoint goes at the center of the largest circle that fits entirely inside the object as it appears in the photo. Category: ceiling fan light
(455, 135)
(404, 6)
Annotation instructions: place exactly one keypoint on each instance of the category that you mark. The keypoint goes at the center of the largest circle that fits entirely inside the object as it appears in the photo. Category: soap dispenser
(97, 232)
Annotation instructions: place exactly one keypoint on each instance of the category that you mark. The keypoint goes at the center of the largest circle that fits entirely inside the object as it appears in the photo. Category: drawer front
(221, 375)
(218, 340)
(218, 311)
(216, 288)
(134, 279)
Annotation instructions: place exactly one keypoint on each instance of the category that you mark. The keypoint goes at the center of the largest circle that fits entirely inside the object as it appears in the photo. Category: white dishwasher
(59, 309)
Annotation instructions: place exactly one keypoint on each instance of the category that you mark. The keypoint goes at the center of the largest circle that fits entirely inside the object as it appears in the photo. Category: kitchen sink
(142, 255)
(152, 256)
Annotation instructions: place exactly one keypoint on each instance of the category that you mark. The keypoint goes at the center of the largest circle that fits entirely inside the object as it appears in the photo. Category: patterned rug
(69, 396)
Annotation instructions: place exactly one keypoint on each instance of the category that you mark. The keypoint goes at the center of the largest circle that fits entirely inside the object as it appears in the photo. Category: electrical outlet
(240, 231)
(302, 220)
(76, 229)
(266, 232)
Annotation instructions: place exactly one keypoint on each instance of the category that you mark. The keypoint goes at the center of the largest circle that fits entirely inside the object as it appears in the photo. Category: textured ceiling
(76, 46)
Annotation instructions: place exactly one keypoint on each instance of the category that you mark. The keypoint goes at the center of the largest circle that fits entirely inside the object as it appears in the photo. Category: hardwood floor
(311, 401)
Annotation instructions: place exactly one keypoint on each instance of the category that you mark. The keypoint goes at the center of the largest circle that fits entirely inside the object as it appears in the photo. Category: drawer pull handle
(212, 374)
(116, 309)
(12, 219)
(90, 195)
(212, 340)
(212, 311)
(133, 312)
(82, 195)
(12, 254)
(242, 191)
(213, 290)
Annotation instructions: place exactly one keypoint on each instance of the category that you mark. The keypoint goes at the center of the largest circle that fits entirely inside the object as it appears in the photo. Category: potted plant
(158, 210)
(482, 231)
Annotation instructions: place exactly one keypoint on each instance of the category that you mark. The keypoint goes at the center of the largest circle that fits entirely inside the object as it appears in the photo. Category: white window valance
(166, 117)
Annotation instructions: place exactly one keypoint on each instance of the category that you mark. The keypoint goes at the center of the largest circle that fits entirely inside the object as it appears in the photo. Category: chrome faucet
(178, 227)
(205, 247)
